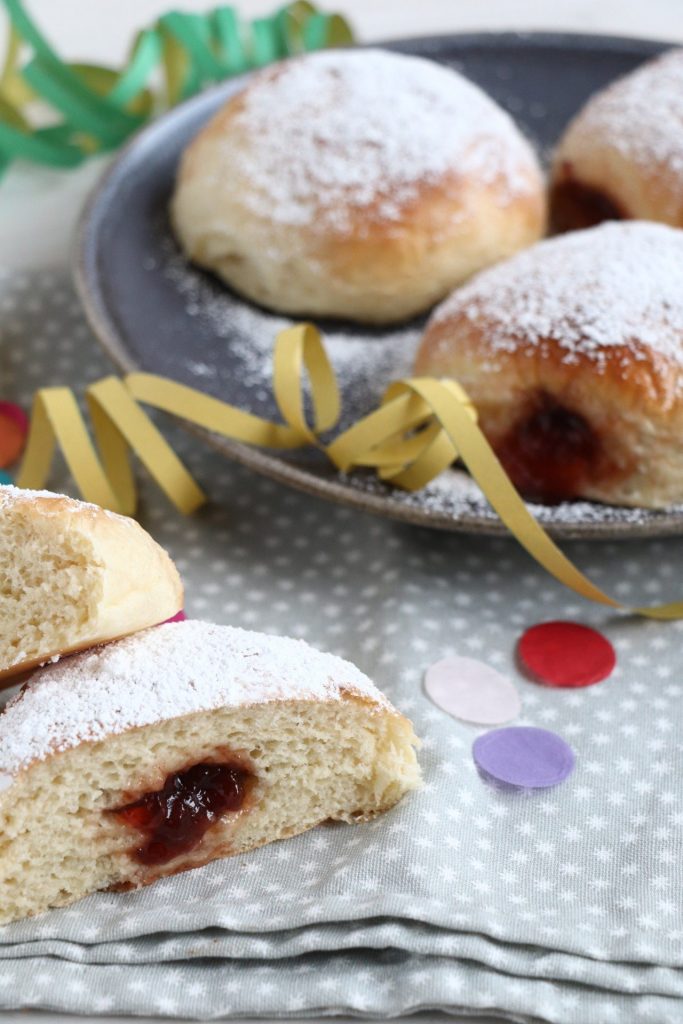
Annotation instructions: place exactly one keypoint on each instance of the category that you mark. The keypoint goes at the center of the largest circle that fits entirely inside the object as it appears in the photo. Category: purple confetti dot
(523, 756)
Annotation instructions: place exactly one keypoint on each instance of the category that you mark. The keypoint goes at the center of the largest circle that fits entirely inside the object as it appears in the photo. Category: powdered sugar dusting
(9, 495)
(361, 356)
(377, 358)
(344, 128)
(641, 115)
(454, 496)
(171, 670)
(365, 362)
(620, 284)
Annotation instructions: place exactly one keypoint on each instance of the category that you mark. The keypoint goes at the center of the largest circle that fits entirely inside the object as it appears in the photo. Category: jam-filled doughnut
(74, 575)
(187, 742)
(356, 183)
(622, 155)
(572, 352)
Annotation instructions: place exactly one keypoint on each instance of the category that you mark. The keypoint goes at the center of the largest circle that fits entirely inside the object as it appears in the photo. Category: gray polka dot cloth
(561, 906)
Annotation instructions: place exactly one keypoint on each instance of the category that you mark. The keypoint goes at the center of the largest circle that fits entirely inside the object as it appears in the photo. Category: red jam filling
(574, 206)
(550, 453)
(174, 819)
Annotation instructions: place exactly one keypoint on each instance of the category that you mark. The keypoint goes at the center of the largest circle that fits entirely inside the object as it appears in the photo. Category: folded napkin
(562, 906)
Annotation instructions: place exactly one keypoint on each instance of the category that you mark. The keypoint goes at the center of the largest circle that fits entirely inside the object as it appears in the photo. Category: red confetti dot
(566, 654)
(13, 430)
(12, 411)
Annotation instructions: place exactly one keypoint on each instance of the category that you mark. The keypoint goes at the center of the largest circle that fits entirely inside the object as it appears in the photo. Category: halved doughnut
(185, 743)
(74, 575)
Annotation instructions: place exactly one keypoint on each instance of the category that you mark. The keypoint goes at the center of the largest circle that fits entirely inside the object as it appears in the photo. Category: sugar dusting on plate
(455, 495)
(365, 362)
(368, 356)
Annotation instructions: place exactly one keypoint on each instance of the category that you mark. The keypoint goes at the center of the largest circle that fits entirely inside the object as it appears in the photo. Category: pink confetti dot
(472, 691)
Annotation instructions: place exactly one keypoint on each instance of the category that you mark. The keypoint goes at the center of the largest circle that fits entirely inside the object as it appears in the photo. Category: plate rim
(90, 294)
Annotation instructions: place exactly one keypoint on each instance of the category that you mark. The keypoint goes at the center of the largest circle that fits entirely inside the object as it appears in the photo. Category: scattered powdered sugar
(455, 496)
(365, 362)
(376, 357)
(620, 284)
(359, 355)
(9, 495)
(344, 128)
(171, 670)
(641, 115)
(452, 485)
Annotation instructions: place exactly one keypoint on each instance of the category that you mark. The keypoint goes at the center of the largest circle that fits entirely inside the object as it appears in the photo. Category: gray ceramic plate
(152, 311)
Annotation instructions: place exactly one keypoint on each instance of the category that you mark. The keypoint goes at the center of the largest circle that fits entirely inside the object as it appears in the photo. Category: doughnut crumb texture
(187, 742)
(356, 183)
(74, 575)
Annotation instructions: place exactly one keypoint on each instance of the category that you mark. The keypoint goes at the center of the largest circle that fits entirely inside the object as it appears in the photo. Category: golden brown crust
(619, 405)
(366, 266)
(623, 150)
(417, 252)
(633, 378)
(633, 406)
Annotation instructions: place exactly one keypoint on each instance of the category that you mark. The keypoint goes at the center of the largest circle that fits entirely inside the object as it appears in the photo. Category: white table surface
(39, 207)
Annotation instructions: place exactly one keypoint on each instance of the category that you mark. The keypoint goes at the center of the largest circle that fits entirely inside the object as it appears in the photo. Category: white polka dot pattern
(563, 906)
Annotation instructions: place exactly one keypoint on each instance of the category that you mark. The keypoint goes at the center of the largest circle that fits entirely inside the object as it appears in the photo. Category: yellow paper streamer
(420, 428)
(119, 424)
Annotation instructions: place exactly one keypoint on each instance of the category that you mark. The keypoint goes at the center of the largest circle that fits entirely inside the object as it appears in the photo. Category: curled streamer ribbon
(100, 107)
(420, 428)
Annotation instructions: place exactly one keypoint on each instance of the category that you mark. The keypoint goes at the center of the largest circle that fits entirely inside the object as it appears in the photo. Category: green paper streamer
(83, 109)
(131, 84)
(266, 46)
(38, 147)
(228, 37)
(100, 107)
